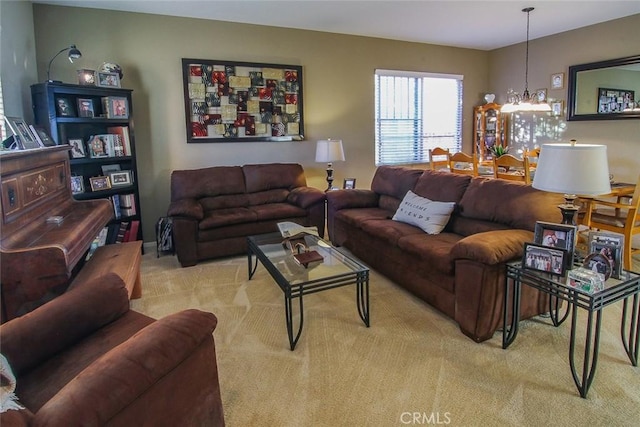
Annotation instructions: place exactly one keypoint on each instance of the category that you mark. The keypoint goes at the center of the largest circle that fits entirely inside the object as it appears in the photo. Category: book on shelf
(133, 231)
(99, 240)
(115, 201)
(128, 204)
(123, 132)
(122, 231)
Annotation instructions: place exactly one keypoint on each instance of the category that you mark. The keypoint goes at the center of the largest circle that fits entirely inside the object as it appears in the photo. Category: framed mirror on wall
(605, 90)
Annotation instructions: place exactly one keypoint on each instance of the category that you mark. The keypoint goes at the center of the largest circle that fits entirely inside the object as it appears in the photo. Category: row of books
(115, 143)
(124, 205)
(125, 231)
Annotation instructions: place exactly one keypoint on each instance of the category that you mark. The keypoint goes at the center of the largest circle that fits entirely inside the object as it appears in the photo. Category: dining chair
(463, 163)
(512, 168)
(532, 156)
(439, 158)
(621, 216)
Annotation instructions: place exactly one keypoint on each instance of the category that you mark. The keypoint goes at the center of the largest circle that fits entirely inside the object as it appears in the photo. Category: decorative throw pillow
(8, 399)
(426, 214)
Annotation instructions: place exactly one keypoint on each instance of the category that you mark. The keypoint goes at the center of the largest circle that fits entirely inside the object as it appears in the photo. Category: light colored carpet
(411, 362)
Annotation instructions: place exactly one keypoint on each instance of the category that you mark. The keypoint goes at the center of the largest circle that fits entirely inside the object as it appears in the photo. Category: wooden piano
(39, 258)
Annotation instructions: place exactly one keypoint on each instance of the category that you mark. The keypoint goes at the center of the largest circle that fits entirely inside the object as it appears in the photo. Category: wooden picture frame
(230, 101)
(562, 236)
(544, 259)
(107, 79)
(557, 81)
(77, 184)
(85, 107)
(120, 178)
(19, 128)
(349, 184)
(610, 245)
(100, 183)
(77, 148)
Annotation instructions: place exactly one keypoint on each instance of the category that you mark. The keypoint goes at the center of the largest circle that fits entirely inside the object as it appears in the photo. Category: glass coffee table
(337, 269)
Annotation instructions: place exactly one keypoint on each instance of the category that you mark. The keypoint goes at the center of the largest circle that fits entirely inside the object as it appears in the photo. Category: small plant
(499, 150)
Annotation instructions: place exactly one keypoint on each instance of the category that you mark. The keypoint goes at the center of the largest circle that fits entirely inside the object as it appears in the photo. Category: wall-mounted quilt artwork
(228, 101)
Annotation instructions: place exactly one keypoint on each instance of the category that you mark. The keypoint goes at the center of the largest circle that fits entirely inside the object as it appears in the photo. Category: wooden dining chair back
(512, 168)
(620, 216)
(463, 164)
(439, 158)
(532, 156)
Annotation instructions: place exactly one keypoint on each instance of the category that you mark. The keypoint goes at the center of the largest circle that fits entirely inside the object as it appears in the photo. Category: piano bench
(121, 258)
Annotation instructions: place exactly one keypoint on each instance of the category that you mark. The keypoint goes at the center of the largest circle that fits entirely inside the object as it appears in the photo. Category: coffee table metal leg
(590, 357)
(362, 291)
(510, 329)
(252, 269)
(288, 312)
(631, 340)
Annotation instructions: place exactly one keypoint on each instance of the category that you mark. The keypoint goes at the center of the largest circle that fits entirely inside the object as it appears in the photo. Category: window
(414, 113)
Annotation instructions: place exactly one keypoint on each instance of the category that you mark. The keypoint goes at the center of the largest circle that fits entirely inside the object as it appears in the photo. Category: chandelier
(527, 101)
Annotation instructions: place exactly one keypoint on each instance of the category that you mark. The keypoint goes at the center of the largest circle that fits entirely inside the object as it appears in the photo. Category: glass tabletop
(334, 264)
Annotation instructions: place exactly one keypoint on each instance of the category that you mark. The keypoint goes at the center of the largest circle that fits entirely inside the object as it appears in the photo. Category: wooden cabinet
(488, 130)
(96, 122)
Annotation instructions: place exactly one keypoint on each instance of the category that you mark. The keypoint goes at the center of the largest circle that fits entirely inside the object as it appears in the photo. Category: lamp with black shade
(572, 169)
(329, 151)
(74, 53)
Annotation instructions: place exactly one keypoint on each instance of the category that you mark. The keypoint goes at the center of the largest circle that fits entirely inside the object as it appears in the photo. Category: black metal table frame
(592, 303)
(359, 278)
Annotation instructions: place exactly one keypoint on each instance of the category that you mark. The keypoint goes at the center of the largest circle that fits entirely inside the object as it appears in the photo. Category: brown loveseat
(86, 359)
(215, 209)
(459, 271)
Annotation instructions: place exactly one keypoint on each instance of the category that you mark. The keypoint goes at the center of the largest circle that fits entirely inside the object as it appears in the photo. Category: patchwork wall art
(227, 101)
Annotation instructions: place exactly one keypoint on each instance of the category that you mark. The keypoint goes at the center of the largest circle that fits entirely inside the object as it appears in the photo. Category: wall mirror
(605, 90)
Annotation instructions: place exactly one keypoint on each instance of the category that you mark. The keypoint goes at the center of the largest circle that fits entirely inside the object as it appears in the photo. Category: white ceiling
(484, 25)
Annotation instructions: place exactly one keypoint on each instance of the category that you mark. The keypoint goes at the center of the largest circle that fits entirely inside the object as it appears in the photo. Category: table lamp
(74, 53)
(329, 150)
(572, 169)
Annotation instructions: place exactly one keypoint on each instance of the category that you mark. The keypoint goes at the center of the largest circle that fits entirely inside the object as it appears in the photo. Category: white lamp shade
(580, 169)
(329, 150)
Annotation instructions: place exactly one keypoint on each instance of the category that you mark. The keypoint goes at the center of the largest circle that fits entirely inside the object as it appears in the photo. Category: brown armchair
(86, 359)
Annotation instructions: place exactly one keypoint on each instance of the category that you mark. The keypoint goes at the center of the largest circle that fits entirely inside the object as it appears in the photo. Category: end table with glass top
(626, 289)
(337, 269)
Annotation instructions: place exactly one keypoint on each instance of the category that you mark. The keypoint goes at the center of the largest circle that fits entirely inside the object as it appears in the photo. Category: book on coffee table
(306, 258)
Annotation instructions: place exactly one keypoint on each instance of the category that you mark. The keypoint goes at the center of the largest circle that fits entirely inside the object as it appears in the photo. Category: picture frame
(118, 107)
(64, 107)
(77, 148)
(230, 101)
(85, 107)
(599, 263)
(77, 184)
(562, 236)
(105, 79)
(557, 81)
(615, 100)
(19, 128)
(110, 168)
(41, 135)
(541, 95)
(86, 77)
(349, 184)
(544, 259)
(610, 245)
(557, 108)
(100, 183)
(120, 178)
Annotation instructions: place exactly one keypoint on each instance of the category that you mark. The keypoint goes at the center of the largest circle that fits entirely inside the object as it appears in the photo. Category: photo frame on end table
(349, 183)
(544, 259)
(560, 236)
(609, 245)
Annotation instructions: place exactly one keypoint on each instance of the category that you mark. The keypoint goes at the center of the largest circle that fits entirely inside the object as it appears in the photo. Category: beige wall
(338, 75)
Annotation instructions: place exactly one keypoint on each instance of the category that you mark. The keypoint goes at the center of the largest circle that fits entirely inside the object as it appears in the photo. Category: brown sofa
(215, 209)
(459, 271)
(86, 359)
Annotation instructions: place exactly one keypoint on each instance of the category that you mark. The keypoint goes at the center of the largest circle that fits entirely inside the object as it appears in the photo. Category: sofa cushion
(224, 201)
(198, 183)
(277, 211)
(394, 181)
(273, 175)
(509, 202)
(427, 214)
(432, 249)
(388, 230)
(355, 217)
(222, 217)
(442, 186)
(278, 195)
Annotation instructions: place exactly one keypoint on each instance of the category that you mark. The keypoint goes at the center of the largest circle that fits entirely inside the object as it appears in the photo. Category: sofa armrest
(128, 371)
(344, 199)
(28, 340)
(492, 247)
(16, 418)
(186, 207)
(305, 197)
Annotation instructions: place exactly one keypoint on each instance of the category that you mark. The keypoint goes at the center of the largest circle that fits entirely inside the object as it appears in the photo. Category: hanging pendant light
(526, 101)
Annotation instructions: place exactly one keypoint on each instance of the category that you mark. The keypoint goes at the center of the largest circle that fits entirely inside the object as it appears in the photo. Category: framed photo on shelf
(349, 183)
(99, 183)
(87, 77)
(77, 148)
(106, 169)
(118, 107)
(560, 236)
(120, 178)
(557, 81)
(42, 136)
(85, 107)
(77, 184)
(21, 130)
(544, 259)
(64, 107)
(108, 79)
(611, 246)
